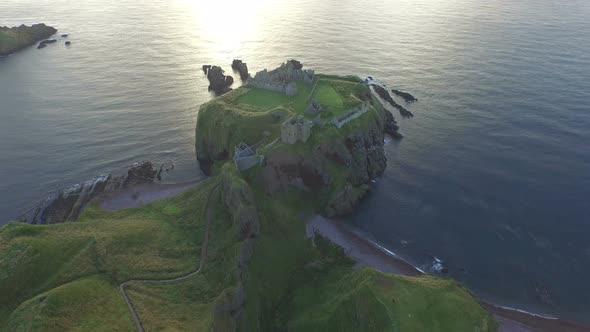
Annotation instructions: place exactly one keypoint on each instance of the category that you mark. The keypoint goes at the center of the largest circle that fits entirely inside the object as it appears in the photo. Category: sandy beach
(367, 253)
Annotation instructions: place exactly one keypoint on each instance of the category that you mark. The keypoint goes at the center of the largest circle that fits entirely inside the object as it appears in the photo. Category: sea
(490, 185)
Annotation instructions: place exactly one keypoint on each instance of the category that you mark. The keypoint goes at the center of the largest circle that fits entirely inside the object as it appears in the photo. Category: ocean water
(492, 177)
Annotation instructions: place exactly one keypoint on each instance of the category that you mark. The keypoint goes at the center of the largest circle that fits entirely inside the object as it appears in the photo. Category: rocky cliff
(336, 164)
(238, 199)
(67, 204)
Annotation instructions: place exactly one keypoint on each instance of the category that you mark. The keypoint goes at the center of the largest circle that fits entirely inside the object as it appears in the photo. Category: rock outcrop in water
(242, 68)
(17, 38)
(406, 96)
(46, 42)
(384, 94)
(67, 204)
(218, 82)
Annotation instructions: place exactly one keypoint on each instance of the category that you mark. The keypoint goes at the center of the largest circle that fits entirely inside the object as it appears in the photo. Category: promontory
(17, 38)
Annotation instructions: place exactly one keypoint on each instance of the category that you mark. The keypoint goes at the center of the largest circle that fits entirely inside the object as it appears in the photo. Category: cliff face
(336, 171)
(335, 164)
(17, 38)
(238, 199)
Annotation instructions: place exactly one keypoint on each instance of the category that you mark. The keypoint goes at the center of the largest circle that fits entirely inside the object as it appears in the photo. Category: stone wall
(352, 114)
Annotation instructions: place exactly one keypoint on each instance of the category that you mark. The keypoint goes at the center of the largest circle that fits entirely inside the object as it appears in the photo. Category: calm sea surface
(492, 178)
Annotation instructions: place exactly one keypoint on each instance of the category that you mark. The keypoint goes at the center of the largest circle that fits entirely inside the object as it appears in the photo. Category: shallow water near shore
(492, 177)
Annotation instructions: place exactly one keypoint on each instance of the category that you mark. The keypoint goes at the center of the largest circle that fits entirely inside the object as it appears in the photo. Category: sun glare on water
(229, 23)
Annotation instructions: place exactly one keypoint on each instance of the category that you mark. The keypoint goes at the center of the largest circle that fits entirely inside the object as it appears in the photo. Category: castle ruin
(296, 129)
(283, 78)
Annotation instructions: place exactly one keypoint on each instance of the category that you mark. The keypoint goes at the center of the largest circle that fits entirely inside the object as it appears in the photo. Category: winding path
(210, 204)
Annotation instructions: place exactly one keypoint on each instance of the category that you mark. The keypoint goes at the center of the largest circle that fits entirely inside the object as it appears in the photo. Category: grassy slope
(87, 304)
(187, 305)
(367, 300)
(159, 240)
(284, 293)
(8, 40)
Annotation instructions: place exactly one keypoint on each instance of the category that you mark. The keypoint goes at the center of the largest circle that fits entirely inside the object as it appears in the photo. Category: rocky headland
(336, 164)
(17, 38)
(67, 204)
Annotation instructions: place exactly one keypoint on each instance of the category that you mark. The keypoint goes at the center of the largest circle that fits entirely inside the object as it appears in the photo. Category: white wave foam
(526, 312)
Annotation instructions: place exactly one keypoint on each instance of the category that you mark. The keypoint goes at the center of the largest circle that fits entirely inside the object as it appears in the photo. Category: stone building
(245, 157)
(296, 129)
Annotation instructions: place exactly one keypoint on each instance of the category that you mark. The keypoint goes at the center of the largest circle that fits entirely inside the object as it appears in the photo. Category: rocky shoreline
(67, 204)
(16, 38)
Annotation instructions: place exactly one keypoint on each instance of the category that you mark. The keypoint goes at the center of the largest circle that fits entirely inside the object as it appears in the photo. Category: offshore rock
(384, 94)
(406, 96)
(218, 82)
(242, 68)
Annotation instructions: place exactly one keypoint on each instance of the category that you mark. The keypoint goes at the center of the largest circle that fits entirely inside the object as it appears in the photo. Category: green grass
(188, 305)
(159, 240)
(367, 300)
(327, 95)
(86, 304)
(265, 99)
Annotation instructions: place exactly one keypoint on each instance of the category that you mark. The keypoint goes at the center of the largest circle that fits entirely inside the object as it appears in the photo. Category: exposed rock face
(46, 42)
(143, 172)
(67, 204)
(238, 199)
(296, 64)
(391, 128)
(407, 97)
(359, 155)
(347, 200)
(218, 82)
(383, 93)
(17, 38)
(242, 68)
